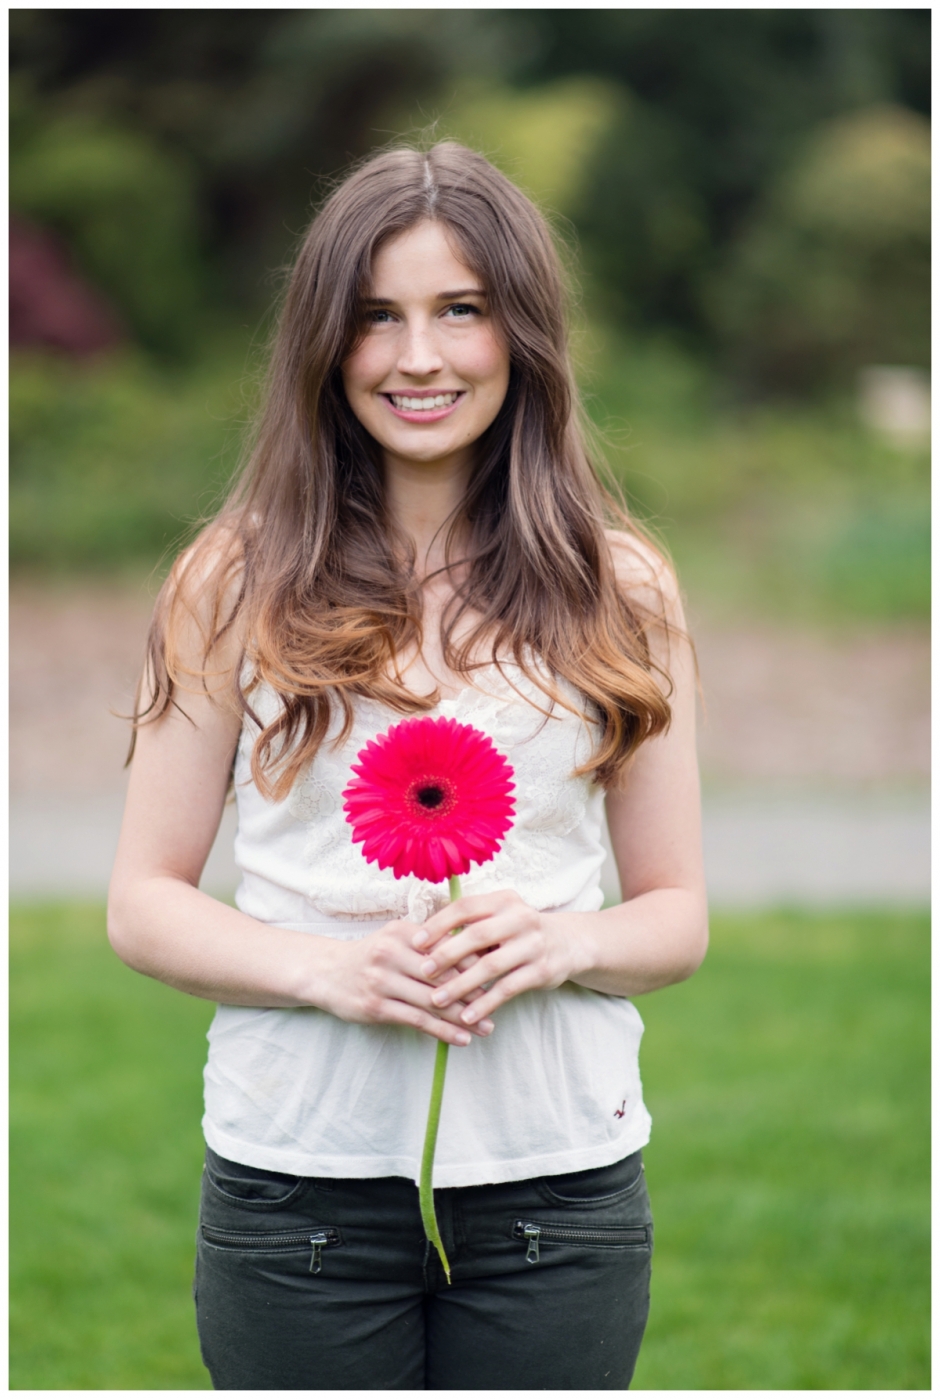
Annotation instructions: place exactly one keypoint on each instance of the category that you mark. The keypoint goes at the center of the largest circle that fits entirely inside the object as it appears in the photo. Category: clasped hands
(445, 983)
(503, 947)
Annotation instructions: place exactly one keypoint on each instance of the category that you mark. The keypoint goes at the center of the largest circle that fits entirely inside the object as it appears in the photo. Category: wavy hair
(301, 563)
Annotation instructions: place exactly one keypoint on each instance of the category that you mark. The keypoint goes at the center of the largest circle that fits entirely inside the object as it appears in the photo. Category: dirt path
(813, 707)
(782, 706)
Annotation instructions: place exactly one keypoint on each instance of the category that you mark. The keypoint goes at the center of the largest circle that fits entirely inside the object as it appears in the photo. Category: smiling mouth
(407, 403)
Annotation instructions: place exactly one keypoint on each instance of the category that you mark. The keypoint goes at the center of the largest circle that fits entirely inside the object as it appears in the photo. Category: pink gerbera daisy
(432, 797)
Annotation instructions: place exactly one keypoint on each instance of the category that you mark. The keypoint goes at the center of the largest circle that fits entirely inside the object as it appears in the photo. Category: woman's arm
(657, 936)
(161, 924)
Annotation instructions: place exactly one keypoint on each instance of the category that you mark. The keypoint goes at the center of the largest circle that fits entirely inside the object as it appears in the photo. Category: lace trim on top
(539, 850)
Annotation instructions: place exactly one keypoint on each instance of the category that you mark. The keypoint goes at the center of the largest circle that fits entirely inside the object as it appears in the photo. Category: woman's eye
(379, 317)
(462, 312)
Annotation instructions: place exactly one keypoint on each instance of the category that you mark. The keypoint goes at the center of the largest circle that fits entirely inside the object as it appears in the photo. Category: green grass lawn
(789, 1165)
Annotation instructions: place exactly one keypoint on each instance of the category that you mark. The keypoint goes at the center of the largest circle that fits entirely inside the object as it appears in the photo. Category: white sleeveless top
(554, 1088)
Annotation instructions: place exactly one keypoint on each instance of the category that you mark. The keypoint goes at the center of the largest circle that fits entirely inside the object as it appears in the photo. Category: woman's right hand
(377, 980)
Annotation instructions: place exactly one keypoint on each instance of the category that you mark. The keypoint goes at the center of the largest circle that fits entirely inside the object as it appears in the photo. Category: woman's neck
(423, 500)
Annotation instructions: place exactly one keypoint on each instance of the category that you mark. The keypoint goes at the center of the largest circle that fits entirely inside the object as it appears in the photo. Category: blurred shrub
(833, 270)
(778, 508)
(109, 463)
(543, 137)
(644, 227)
(125, 205)
(267, 105)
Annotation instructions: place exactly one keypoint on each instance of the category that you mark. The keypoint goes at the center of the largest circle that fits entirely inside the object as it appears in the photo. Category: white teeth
(419, 405)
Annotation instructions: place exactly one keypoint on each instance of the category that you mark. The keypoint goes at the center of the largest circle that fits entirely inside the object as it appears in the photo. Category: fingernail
(440, 998)
(419, 939)
(462, 1037)
(468, 1017)
(429, 967)
(486, 1026)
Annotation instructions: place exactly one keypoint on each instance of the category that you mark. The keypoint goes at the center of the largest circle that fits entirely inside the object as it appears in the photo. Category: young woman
(418, 530)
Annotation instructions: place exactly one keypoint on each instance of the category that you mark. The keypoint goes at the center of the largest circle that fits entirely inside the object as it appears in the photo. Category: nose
(419, 354)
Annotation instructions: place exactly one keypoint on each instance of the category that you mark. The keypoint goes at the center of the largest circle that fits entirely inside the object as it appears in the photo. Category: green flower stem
(425, 1188)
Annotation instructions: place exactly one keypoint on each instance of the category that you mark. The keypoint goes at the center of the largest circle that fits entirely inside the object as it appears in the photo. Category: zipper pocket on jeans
(616, 1236)
(288, 1239)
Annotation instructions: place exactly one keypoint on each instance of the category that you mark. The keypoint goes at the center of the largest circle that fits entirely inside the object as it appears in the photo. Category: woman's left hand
(517, 949)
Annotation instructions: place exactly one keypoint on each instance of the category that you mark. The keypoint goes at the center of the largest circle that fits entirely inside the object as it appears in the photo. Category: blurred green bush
(125, 205)
(112, 461)
(782, 508)
(542, 137)
(162, 129)
(715, 105)
(643, 225)
(832, 271)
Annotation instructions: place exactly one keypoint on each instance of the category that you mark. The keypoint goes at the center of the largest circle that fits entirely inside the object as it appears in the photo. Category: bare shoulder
(645, 576)
(197, 617)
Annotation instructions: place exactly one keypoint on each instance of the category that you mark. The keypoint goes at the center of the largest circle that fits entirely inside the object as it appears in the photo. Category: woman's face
(431, 371)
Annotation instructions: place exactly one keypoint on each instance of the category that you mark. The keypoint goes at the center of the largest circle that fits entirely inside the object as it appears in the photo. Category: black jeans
(309, 1283)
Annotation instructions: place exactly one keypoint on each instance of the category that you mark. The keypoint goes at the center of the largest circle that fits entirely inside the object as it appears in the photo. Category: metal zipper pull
(532, 1232)
(317, 1242)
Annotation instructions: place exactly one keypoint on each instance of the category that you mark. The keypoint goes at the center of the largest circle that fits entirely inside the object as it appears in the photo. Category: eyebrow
(441, 296)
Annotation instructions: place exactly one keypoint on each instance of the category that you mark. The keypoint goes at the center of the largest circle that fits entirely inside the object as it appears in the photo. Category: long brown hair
(301, 561)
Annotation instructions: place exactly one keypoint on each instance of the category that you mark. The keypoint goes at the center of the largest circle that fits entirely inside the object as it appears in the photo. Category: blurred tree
(701, 109)
(266, 105)
(721, 98)
(543, 137)
(832, 272)
(50, 304)
(125, 205)
(645, 228)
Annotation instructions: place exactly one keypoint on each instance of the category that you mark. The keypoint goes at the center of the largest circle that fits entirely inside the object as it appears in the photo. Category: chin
(428, 450)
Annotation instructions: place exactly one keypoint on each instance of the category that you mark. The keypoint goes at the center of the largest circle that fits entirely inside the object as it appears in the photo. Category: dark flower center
(430, 797)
